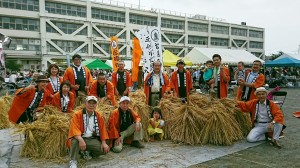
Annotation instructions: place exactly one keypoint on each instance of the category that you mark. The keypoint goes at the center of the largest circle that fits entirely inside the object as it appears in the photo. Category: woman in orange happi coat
(103, 89)
(221, 77)
(164, 82)
(27, 100)
(64, 100)
(54, 80)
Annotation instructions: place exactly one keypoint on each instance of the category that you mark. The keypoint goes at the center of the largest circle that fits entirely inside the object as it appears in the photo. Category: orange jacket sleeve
(93, 89)
(173, 80)
(167, 82)
(76, 125)
(128, 79)
(189, 80)
(110, 93)
(260, 81)
(246, 106)
(102, 127)
(114, 126)
(56, 100)
(135, 115)
(277, 113)
(114, 78)
(71, 104)
(225, 78)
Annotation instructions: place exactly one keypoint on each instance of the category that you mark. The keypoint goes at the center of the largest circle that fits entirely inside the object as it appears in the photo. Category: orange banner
(114, 52)
(136, 58)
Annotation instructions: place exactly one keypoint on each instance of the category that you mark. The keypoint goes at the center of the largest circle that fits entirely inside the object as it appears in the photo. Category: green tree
(274, 56)
(13, 65)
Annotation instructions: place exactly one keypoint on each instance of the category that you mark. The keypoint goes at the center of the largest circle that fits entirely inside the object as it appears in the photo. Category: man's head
(121, 65)
(124, 103)
(156, 66)
(101, 78)
(261, 93)
(180, 64)
(256, 66)
(76, 59)
(42, 81)
(209, 63)
(217, 59)
(240, 65)
(91, 103)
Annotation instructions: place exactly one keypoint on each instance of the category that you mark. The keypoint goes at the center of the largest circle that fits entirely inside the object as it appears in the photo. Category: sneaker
(73, 164)
(137, 144)
(275, 143)
(281, 135)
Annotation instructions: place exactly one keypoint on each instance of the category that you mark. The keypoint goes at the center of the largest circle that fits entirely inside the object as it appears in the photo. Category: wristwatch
(273, 122)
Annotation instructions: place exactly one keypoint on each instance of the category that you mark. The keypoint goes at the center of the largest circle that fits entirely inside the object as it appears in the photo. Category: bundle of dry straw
(5, 103)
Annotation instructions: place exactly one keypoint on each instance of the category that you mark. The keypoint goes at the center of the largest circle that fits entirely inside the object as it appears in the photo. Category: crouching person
(87, 132)
(125, 122)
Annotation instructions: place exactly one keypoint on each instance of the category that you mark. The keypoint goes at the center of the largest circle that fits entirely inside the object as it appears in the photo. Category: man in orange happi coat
(80, 79)
(27, 100)
(87, 132)
(181, 81)
(221, 77)
(124, 122)
(155, 85)
(103, 89)
(265, 117)
(252, 80)
(121, 80)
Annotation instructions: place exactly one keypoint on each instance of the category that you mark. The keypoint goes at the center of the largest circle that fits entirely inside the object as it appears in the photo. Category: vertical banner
(114, 52)
(136, 58)
(150, 40)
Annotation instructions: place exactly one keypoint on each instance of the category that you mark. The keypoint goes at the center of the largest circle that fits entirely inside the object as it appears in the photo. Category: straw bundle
(105, 110)
(46, 137)
(5, 103)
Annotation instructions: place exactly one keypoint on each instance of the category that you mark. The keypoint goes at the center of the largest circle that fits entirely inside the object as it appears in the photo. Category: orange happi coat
(250, 106)
(50, 89)
(259, 82)
(77, 128)
(110, 92)
(22, 101)
(174, 82)
(164, 88)
(115, 80)
(56, 101)
(69, 76)
(224, 80)
(114, 123)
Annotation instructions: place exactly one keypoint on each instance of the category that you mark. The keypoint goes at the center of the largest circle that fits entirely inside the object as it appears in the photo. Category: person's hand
(270, 127)
(125, 92)
(105, 147)
(116, 92)
(82, 145)
(137, 126)
(75, 87)
(86, 88)
(118, 141)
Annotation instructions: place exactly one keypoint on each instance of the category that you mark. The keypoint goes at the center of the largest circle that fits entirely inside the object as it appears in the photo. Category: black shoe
(275, 143)
(137, 144)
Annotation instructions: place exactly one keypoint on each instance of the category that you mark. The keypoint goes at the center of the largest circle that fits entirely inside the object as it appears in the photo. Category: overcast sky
(280, 18)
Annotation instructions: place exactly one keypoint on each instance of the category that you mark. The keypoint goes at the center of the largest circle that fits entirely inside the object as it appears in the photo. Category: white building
(44, 31)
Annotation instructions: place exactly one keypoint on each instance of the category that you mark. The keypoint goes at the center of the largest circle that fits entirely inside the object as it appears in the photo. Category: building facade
(45, 31)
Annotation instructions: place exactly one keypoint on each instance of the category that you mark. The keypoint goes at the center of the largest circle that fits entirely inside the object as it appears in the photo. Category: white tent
(296, 56)
(128, 64)
(200, 55)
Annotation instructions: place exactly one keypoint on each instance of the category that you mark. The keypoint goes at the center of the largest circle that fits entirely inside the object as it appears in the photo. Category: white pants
(259, 130)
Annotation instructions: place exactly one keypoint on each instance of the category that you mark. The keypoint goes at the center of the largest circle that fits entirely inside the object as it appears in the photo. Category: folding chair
(279, 97)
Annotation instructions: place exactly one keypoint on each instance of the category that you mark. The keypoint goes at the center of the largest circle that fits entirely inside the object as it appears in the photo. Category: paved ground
(167, 154)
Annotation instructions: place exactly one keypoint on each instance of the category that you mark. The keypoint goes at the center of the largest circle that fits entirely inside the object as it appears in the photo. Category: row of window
(239, 32)
(257, 34)
(29, 5)
(172, 24)
(19, 23)
(25, 44)
(172, 37)
(108, 15)
(67, 28)
(197, 27)
(109, 32)
(254, 44)
(198, 40)
(219, 29)
(142, 20)
(65, 9)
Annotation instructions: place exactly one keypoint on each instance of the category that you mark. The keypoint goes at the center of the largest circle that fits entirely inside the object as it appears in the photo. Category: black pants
(25, 117)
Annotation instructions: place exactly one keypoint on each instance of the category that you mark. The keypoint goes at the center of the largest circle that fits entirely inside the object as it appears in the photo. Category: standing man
(265, 117)
(87, 132)
(80, 79)
(181, 81)
(103, 89)
(125, 122)
(253, 79)
(221, 77)
(155, 85)
(121, 80)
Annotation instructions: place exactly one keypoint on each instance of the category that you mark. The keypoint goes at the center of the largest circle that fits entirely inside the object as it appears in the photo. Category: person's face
(42, 84)
(156, 115)
(156, 67)
(240, 67)
(54, 71)
(121, 66)
(65, 89)
(209, 65)
(256, 66)
(180, 66)
(77, 61)
(101, 80)
(261, 96)
(124, 105)
(90, 105)
(217, 61)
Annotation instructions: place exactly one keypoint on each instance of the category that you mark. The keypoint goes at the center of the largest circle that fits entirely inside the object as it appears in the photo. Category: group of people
(88, 130)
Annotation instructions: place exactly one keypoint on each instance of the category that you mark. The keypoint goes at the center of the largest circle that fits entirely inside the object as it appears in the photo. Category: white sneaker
(73, 164)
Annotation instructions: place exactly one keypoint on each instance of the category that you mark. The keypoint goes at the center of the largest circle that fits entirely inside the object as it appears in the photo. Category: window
(198, 40)
(239, 32)
(199, 27)
(239, 43)
(254, 44)
(65, 9)
(30, 5)
(108, 15)
(25, 44)
(257, 34)
(172, 37)
(172, 24)
(219, 42)
(142, 20)
(19, 23)
(112, 31)
(67, 28)
(219, 29)
(68, 46)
